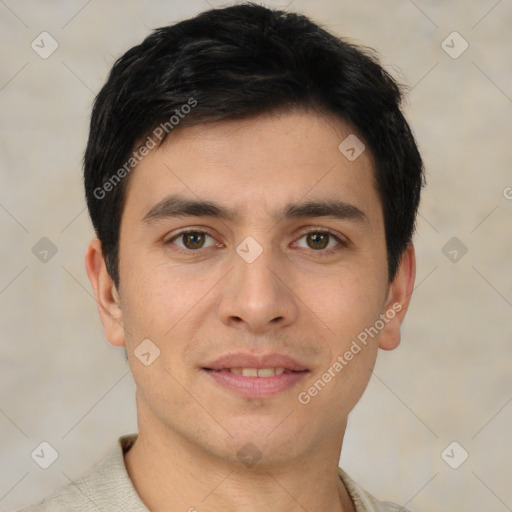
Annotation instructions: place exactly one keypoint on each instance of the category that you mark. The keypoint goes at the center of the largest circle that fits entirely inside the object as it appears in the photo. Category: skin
(197, 304)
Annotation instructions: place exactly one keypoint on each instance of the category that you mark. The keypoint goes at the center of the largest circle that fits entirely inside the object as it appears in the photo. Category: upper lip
(259, 361)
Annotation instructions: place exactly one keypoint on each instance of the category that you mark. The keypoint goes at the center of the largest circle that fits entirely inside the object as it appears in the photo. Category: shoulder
(106, 487)
(67, 498)
(364, 501)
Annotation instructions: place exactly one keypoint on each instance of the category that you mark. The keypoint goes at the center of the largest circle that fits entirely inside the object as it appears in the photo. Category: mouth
(253, 372)
(253, 376)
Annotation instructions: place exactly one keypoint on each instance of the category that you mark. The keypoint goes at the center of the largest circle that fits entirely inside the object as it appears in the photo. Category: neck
(171, 474)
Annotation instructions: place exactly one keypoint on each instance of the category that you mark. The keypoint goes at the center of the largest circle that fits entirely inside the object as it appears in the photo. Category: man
(253, 186)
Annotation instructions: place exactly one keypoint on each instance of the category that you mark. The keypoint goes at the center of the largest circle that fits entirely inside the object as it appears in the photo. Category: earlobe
(107, 296)
(398, 300)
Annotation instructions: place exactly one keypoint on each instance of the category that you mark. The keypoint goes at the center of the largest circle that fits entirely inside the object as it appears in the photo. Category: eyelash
(321, 252)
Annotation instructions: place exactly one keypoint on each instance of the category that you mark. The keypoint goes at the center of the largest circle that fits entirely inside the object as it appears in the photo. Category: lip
(245, 360)
(256, 387)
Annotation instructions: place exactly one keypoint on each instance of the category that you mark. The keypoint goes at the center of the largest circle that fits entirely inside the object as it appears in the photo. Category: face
(253, 257)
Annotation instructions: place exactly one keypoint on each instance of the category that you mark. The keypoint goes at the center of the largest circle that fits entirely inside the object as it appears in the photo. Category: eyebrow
(178, 206)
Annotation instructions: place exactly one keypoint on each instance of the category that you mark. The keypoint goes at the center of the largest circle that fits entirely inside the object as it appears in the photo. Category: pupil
(318, 240)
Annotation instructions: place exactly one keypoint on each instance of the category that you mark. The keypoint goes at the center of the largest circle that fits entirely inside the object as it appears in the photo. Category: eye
(193, 240)
(319, 241)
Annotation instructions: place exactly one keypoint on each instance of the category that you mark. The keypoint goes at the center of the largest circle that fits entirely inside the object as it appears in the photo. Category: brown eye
(322, 242)
(317, 241)
(193, 240)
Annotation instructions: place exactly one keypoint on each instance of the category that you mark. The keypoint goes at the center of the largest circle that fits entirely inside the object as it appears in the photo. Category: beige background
(450, 380)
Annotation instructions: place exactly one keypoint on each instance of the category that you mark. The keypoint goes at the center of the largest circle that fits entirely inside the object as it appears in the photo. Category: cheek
(353, 309)
(158, 297)
(354, 301)
(337, 388)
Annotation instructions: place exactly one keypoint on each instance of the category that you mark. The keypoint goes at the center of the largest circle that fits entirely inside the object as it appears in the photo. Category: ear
(107, 296)
(398, 299)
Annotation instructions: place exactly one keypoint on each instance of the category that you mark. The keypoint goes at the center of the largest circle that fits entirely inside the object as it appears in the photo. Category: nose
(258, 296)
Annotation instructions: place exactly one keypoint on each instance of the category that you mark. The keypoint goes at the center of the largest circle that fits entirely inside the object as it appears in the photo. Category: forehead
(257, 165)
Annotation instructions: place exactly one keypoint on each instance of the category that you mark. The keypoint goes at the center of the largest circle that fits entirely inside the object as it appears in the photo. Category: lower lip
(256, 387)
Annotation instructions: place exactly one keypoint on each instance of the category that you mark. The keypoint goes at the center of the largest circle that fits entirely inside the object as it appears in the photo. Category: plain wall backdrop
(449, 381)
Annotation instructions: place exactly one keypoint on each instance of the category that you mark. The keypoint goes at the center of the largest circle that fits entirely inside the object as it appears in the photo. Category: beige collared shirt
(108, 488)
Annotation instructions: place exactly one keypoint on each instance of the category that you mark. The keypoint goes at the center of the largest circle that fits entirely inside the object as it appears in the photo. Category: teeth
(255, 372)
